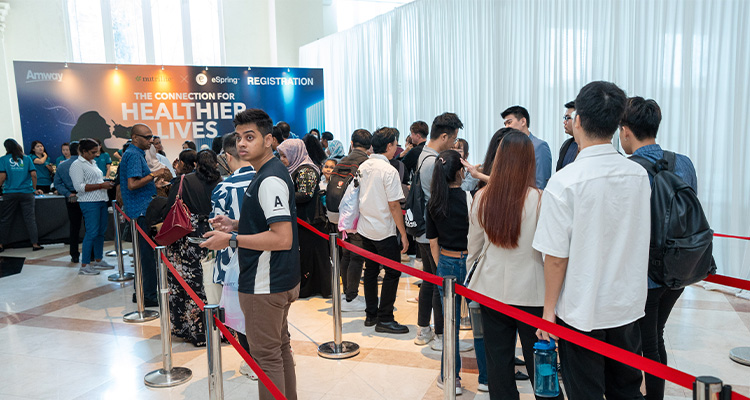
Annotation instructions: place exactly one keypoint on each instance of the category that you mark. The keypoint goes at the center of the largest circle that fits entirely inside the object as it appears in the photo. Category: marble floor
(62, 337)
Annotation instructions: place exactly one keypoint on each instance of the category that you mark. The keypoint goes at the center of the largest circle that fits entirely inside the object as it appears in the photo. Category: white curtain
(478, 57)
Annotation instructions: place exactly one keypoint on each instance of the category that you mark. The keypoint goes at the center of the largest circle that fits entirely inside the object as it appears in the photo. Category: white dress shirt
(84, 173)
(379, 184)
(597, 213)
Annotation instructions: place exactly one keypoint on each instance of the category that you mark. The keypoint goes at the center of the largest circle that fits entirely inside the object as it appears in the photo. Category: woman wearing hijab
(155, 165)
(335, 150)
(314, 261)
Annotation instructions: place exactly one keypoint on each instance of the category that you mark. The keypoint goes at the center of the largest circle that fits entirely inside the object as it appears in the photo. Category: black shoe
(37, 248)
(392, 327)
(371, 321)
(154, 303)
(134, 300)
(74, 260)
(2, 249)
(519, 361)
(520, 376)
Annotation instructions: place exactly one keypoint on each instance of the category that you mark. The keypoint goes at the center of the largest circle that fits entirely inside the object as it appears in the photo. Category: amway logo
(43, 76)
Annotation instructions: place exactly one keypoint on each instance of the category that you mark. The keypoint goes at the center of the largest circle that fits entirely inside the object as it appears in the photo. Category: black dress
(315, 262)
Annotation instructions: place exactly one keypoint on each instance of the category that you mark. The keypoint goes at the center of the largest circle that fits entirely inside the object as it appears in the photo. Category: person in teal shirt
(18, 180)
(43, 166)
(65, 150)
(103, 160)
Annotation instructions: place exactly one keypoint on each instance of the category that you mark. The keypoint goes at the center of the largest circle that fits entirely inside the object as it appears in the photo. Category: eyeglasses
(147, 137)
(567, 118)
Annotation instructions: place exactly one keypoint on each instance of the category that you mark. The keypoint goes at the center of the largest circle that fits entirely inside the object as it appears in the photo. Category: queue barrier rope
(262, 377)
(631, 359)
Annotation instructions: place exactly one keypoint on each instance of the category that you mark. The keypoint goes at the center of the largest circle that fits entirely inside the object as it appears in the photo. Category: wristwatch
(233, 241)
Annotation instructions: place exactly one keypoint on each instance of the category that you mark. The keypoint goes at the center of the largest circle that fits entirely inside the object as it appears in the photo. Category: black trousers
(591, 376)
(76, 218)
(351, 267)
(11, 203)
(315, 263)
(659, 304)
(148, 262)
(429, 295)
(389, 249)
(500, 349)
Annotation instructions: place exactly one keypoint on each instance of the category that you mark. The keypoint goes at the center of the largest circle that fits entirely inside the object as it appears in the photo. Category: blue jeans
(456, 267)
(481, 356)
(95, 218)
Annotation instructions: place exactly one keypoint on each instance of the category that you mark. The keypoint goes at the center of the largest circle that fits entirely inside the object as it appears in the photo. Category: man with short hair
(351, 263)
(137, 187)
(380, 219)
(569, 148)
(443, 135)
(278, 137)
(596, 260)
(267, 245)
(325, 138)
(64, 186)
(418, 132)
(638, 129)
(517, 117)
(162, 156)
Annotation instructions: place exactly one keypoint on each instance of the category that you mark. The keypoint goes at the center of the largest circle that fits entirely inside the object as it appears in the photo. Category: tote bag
(177, 223)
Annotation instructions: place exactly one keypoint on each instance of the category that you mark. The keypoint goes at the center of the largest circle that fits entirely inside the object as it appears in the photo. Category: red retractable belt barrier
(731, 236)
(243, 353)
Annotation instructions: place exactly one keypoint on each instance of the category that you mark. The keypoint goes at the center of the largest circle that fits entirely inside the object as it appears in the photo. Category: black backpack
(681, 238)
(341, 177)
(415, 206)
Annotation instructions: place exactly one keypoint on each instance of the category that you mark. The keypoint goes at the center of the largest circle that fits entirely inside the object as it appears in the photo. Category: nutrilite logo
(32, 76)
(160, 78)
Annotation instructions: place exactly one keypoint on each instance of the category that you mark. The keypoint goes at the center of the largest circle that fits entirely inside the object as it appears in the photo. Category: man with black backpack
(638, 128)
(341, 177)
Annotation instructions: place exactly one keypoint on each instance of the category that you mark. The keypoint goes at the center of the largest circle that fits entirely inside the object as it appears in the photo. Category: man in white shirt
(379, 219)
(594, 229)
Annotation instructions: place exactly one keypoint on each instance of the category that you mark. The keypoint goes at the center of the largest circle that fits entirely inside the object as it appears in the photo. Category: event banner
(64, 102)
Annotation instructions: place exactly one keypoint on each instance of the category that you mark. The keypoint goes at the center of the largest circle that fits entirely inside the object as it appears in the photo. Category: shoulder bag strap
(179, 191)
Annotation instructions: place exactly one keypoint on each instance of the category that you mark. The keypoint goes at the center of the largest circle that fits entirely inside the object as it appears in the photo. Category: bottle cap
(545, 345)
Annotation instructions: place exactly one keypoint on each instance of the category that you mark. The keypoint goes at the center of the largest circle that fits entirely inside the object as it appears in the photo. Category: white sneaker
(465, 346)
(424, 336)
(358, 304)
(247, 371)
(482, 387)
(459, 388)
(413, 299)
(437, 343)
(102, 265)
(88, 270)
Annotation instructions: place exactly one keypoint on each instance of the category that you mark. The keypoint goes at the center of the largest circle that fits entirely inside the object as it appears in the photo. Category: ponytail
(444, 173)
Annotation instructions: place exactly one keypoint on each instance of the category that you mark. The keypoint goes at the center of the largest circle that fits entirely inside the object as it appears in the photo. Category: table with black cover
(51, 221)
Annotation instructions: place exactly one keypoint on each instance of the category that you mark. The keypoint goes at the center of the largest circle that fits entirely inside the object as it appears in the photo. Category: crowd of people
(553, 245)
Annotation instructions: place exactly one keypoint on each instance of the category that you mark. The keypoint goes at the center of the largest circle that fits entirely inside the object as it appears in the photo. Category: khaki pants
(267, 334)
(213, 290)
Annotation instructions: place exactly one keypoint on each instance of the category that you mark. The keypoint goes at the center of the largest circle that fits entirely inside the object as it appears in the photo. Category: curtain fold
(478, 57)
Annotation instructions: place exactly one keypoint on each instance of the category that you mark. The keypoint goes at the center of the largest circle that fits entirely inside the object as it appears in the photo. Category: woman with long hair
(314, 149)
(91, 189)
(197, 186)
(18, 180)
(447, 228)
(314, 255)
(501, 231)
(44, 167)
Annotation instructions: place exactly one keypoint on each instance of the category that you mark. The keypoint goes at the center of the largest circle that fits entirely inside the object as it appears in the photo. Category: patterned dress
(185, 315)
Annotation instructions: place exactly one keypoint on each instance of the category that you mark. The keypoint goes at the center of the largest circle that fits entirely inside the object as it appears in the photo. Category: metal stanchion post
(337, 349)
(213, 350)
(740, 355)
(449, 337)
(141, 315)
(121, 275)
(465, 324)
(706, 388)
(167, 376)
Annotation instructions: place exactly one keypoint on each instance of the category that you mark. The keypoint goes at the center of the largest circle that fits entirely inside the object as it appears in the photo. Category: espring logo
(221, 80)
(32, 76)
(201, 79)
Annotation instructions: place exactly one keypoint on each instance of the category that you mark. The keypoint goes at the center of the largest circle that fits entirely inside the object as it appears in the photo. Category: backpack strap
(425, 159)
(648, 165)
(671, 160)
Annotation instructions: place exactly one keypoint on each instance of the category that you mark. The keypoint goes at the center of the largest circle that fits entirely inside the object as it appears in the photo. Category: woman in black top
(447, 228)
(313, 250)
(197, 186)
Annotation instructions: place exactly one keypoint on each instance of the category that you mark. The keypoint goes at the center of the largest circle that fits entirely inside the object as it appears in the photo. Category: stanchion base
(128, 276)
(465, 324)
(328, 350)
(162, 379)
(740, 355)
(113, 253)
(136, 317)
